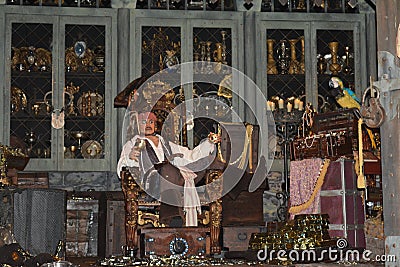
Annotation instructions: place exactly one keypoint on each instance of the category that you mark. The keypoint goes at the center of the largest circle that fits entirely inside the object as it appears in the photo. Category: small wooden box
(237, 238)
(246, 209)
(33, 180)
(179, 241)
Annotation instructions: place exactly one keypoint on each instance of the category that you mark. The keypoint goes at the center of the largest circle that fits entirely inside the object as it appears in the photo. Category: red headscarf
(147, 116)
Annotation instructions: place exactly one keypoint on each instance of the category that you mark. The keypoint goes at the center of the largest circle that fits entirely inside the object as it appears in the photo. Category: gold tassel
(243, 157)
(360, 177)
(320, 181)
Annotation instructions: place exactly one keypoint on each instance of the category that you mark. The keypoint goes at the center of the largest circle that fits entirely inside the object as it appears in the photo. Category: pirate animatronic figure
(165, 167)
(159, 166)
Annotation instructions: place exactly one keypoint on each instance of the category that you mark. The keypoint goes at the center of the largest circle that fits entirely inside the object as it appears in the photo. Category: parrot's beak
(333, 84)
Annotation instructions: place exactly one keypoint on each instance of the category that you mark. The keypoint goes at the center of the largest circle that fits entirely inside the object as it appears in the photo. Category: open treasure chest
(335, 134)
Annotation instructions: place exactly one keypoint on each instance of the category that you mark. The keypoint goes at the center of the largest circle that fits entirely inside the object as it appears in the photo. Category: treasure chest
(185, 241)
(334, 135)
(236, 140)
(340, 129)
(308, 147)
(341, 200)
(245, 209)
(14, 158)
(336, 121)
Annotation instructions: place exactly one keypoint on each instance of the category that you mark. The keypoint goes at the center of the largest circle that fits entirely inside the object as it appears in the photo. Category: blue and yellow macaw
(346, 98)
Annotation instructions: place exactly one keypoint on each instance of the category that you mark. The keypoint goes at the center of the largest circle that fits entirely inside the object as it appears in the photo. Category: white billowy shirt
(203, 150)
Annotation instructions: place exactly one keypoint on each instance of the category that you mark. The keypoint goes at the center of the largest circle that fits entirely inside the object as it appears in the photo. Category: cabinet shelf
(32, 75)
(328, 76)
(286, 77)
(85, 118)
(212, 78)
(48, 117)
(286, 85)
(27, 118)
(77, 75)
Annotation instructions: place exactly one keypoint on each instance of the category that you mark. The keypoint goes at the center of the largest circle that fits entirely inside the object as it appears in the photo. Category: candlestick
(289, 107)
(280, 103)
(301, 105)
(272, 105)
(296, 103)
(268, 105)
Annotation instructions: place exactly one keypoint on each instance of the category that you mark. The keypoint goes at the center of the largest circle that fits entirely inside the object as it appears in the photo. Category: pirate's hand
(134, 154)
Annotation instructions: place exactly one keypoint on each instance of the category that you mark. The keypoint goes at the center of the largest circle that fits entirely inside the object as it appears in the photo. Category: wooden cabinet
(138, 46)
(59, 82)
(296, 57)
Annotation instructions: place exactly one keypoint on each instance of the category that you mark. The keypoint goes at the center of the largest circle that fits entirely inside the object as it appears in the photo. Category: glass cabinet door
(284, 54)
(298, 58)
(30, 85)
(338, 53)
(285, 79)
(209, 44)
(60, 91)
(213, 56)
(160, 43)
(86, 93)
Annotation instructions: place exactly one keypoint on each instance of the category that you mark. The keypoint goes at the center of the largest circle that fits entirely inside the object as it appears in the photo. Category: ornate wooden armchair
(135, 218)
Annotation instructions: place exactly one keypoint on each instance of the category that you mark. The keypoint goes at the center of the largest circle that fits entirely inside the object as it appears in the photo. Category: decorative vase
(334, 67)
(294, 64)
(302, 65)
(321, 65)
(347, 69)
(217, 53)
(271, 63)
(99, 59)
(223, 35)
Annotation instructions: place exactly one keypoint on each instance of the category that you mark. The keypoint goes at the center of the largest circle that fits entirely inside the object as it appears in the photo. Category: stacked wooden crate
(343, 202)
(82, 225)
(95, 224)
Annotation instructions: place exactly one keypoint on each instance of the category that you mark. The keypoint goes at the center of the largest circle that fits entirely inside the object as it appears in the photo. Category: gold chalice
(79, 136)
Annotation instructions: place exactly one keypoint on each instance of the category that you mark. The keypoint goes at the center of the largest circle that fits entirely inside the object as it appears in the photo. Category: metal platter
(91, 104)
(91, 149)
